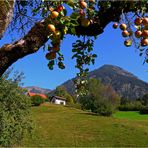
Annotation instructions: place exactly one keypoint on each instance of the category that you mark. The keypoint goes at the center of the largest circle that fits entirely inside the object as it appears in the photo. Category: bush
(36, 100)
(47, 100)
(144, 100)
(132, 106)
(69, 99)
(144, 110)
(100, 99)
(14, 112)
(103, 108)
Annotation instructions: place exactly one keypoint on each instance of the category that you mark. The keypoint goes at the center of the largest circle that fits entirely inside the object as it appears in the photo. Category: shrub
(144, 100)
(36, 100)
(14, 112)
(124, 101)
(100, 99)
(47, 100)
(69, 99)
(103, 108)
(132, 106)
(144, 110)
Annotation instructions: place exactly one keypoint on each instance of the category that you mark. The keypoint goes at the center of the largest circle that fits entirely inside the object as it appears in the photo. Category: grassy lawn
(58, 126)
(130, 115)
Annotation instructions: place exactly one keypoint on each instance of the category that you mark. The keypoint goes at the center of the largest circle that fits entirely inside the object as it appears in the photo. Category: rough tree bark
(6, 14)
(37, 36)
(29, 44)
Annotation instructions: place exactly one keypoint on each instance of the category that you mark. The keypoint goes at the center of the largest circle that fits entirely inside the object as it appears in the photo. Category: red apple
(51, 55)
(60, 8)
(145, 33)
(128, 43)
(144, 42)
(92, 1)
(85, 22)
(83, 4)
(56, 48)
(115, 25)
(138, 34)
(125, 33)
(81, 12)
(145, 21)
(51, 28)
(123, 26)
(138, 21)
(54, 14)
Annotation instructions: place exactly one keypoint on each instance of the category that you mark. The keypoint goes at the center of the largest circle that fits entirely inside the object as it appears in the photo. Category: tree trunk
(6, 14)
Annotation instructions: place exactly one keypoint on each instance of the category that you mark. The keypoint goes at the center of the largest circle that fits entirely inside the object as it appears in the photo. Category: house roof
(37, 94)
(59, 98)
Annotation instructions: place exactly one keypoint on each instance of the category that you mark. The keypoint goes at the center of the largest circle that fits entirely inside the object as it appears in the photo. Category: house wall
(56, 101)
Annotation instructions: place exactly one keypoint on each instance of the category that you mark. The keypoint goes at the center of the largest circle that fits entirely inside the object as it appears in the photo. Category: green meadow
(133, 115)
(59, 126)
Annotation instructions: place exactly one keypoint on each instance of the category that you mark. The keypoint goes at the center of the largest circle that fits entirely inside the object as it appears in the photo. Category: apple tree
(45, 23)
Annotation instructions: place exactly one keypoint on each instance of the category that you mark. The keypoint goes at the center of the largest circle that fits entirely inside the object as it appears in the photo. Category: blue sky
(109, 48)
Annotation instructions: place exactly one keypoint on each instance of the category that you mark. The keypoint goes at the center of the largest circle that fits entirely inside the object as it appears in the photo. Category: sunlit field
(64, 126)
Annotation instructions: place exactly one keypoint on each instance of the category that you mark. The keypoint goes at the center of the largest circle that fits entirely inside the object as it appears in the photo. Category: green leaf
(94, 55)
(93, 61)
(65, 12)
(61, 65)
(51, 64)
(74, 16)
(72, 31)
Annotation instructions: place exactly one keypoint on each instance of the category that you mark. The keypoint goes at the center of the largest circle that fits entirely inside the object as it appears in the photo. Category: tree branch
(29, 44)
(37, 36)
(112, 14)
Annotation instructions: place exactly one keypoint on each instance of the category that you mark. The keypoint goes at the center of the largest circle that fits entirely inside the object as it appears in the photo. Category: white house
(58, 100)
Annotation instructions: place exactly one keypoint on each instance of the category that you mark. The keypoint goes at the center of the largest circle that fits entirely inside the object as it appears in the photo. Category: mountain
(123, 82)
(35, 89)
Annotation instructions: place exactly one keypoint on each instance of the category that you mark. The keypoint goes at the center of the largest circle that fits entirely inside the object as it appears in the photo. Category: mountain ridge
(36, 89)
(126, 84)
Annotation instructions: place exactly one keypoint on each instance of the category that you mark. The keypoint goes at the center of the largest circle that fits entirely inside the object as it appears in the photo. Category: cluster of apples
(55, 33)
(55, 13)
(85, 22)
(141, 33)
(52, 52)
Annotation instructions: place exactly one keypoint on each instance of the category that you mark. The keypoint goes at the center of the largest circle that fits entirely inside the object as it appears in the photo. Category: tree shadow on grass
(89, 113)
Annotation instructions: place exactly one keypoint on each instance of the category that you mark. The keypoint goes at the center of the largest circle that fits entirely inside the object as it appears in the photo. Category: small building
(58, 100)
(30, 94)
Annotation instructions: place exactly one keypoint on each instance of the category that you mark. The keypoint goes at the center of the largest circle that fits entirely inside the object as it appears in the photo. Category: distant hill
(35, 89)
(124, 83)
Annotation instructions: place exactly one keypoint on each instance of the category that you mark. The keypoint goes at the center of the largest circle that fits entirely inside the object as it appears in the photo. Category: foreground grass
(62, 126)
